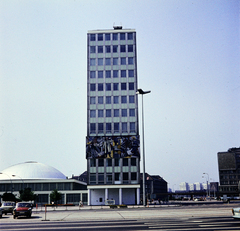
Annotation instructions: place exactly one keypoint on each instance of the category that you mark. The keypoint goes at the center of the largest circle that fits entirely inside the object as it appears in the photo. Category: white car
(236, 213)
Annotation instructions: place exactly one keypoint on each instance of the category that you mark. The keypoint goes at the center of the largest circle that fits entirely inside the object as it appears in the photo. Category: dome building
(42, 179)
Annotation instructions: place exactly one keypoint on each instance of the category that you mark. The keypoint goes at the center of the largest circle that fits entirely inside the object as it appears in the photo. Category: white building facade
(112, 142)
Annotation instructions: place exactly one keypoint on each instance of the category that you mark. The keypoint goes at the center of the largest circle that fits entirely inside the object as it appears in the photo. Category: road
(197, 218)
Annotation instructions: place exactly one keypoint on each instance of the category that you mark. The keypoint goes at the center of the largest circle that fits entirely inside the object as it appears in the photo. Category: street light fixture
(141, 92)
(208, 191)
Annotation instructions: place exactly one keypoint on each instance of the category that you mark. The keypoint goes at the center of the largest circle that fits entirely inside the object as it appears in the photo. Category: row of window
(113, 162)
(111, 36)
(110, 86)
(112, 178)
(110, 61)
(109, 74)
(109, 49)
(108, 127)
(110, 113)
(114, 99)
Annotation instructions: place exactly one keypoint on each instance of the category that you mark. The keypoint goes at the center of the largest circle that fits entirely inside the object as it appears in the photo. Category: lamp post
(208, 192)
(141, 92)
(21, 179)
(10, 180)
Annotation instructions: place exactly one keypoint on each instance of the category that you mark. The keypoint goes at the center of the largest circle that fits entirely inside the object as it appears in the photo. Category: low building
(42, 179)
(229, 172)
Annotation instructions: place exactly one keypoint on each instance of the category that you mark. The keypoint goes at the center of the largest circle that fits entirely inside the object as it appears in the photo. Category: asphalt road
(191, 217)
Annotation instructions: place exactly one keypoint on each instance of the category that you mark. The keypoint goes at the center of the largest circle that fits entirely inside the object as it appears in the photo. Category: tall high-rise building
(112, 142)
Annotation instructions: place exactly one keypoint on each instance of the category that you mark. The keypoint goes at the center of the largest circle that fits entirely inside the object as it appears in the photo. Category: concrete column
(89, 196)
(106, 194)
(65, 198)
(120, 196)
(138, 196)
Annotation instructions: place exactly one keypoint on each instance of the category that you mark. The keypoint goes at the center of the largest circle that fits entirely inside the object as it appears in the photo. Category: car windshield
(23, 205)
(7, 204)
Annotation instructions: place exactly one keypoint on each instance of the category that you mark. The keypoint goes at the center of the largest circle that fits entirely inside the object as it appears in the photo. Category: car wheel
(5, 213)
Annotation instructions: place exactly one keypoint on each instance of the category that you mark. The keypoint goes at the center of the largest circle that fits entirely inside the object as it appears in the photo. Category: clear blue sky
(188, 56)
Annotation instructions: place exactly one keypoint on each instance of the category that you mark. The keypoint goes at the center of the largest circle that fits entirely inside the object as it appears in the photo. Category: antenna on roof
(117, 27)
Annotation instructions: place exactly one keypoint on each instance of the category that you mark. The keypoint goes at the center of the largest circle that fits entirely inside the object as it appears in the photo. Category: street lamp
(141, 92)
(10, 180)
(208, 191)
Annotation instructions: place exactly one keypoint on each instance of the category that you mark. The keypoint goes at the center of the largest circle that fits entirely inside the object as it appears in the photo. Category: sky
(188, 55)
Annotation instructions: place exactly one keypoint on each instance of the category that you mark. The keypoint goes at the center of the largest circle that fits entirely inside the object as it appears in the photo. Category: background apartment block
(112, 142)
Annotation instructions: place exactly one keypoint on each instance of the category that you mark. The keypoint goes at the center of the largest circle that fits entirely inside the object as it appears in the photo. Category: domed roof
(31, 170)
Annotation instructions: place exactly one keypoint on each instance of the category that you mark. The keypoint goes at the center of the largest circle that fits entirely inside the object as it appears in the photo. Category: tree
(8, 197)
(27, 195)
(55, 196)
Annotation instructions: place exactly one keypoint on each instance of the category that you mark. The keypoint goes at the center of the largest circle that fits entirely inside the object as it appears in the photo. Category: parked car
(22, 209)
(1, 212)
(7, 207)
(236, 213)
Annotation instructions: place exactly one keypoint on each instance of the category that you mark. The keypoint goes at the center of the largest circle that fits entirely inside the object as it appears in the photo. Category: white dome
(31, 170)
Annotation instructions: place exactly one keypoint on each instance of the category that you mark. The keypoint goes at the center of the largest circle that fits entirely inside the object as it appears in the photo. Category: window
(115, 99)
(92, 74)
(108, 127)
(115, 49)
(109, 178)
(92, 37)
(92, 113)
(123, 73)
(130, 48)
(100, 74)
(92, 49)
(133, 162)
(107, 37)
(93, 176)
(125, 176)
(124, 127)
(130, 36)
(100, 37)
(100, 162)
(115, 36)
(108, 86)
(115, 61)
(116, 127)
(133, 176)
(131, 99)
(100, 87)
(123, 61)
(122, 36)
(122, 48)
(108, 100)
(125, 161)
(92, 62)
(92, 87)
(124, 112)
(100, 99)
(100, 178)
(132, 127)
(93, 163)
(131, 86)
(115, 74)
(109, 162)
(92, 128)
(115, 86)
(116, 112)
(100, 128)
(92, 100)
(108, 49)
(116, 162)
(108, 61)
(132, 112)
(108, 74)
(124, 99)
(130, 60)
(100, 113)
(130, 73)
(117, 175)
(100, 49)
(100, 61)
(123, 86)
(108, 113)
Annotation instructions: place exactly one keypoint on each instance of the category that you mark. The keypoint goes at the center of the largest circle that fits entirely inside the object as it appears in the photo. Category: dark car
(22, 209)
